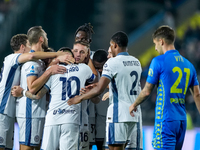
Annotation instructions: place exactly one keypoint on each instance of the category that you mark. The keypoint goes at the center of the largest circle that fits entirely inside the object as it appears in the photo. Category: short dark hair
(17, 40)
(88, 28)
(165, 32)
(66, 49)
(100, 56)
(34, 33)
(120, 38)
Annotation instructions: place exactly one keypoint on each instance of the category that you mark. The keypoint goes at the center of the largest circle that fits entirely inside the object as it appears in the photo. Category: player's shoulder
(12, 56)
(31, 63)
(81, 66)
(159, 58)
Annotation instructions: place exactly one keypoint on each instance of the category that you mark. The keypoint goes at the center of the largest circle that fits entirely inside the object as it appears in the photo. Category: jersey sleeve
(91, 76)
(109, 70)
(13, 59)
(32, 68)
(154, 71)
(17, 62)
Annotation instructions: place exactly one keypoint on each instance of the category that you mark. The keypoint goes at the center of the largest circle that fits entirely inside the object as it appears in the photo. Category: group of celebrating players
(59, 99)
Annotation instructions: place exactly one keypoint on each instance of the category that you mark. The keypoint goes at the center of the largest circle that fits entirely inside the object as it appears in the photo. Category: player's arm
(90, 64)
(65, 58)
(17, 91)
(37, 55)
(96, 99)
(97, 90)
(34, 83)
(144, 94)
(196, 95)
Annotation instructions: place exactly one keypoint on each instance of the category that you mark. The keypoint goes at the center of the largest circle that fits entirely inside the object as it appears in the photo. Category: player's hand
(105, 96)
(86, 89)
(66, 58)
(74, 100)
(131, 109)
(56, 69)
(16, 91)
(90, 86)
(83, 91)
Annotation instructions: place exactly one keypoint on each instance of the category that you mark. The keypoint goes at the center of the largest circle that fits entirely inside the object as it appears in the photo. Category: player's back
(176, 75)
(64, 87)
(10, 76)
(124, 72)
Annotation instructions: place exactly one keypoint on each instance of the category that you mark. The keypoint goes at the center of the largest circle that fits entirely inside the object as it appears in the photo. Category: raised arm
(196, 95)
(37, 55)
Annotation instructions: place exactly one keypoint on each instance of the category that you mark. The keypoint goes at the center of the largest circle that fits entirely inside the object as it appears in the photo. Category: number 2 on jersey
(134, 73)
(174, 88)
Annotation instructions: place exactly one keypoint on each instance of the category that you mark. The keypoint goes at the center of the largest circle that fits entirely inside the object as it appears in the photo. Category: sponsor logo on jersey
(32, 69)
(105, 65)
(63, 111)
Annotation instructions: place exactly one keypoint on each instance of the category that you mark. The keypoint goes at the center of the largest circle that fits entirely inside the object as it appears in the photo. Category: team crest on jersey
(150, 73)
(37, 138)
(32, 69)
(1, 140)
(105, 65)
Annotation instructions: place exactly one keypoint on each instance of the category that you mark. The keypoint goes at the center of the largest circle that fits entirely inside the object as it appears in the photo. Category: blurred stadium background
(138, 18)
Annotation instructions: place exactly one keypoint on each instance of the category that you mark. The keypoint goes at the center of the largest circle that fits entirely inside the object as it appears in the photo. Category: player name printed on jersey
(131, 63)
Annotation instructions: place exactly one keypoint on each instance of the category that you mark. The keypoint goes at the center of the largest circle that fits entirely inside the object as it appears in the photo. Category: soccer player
(81, 52)
(84, 35)
(136, 137)
(173, 75)
(75, 79)
(30, 114)
(99, 59)
(11, 76)
(123, 73)
(60, 117)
